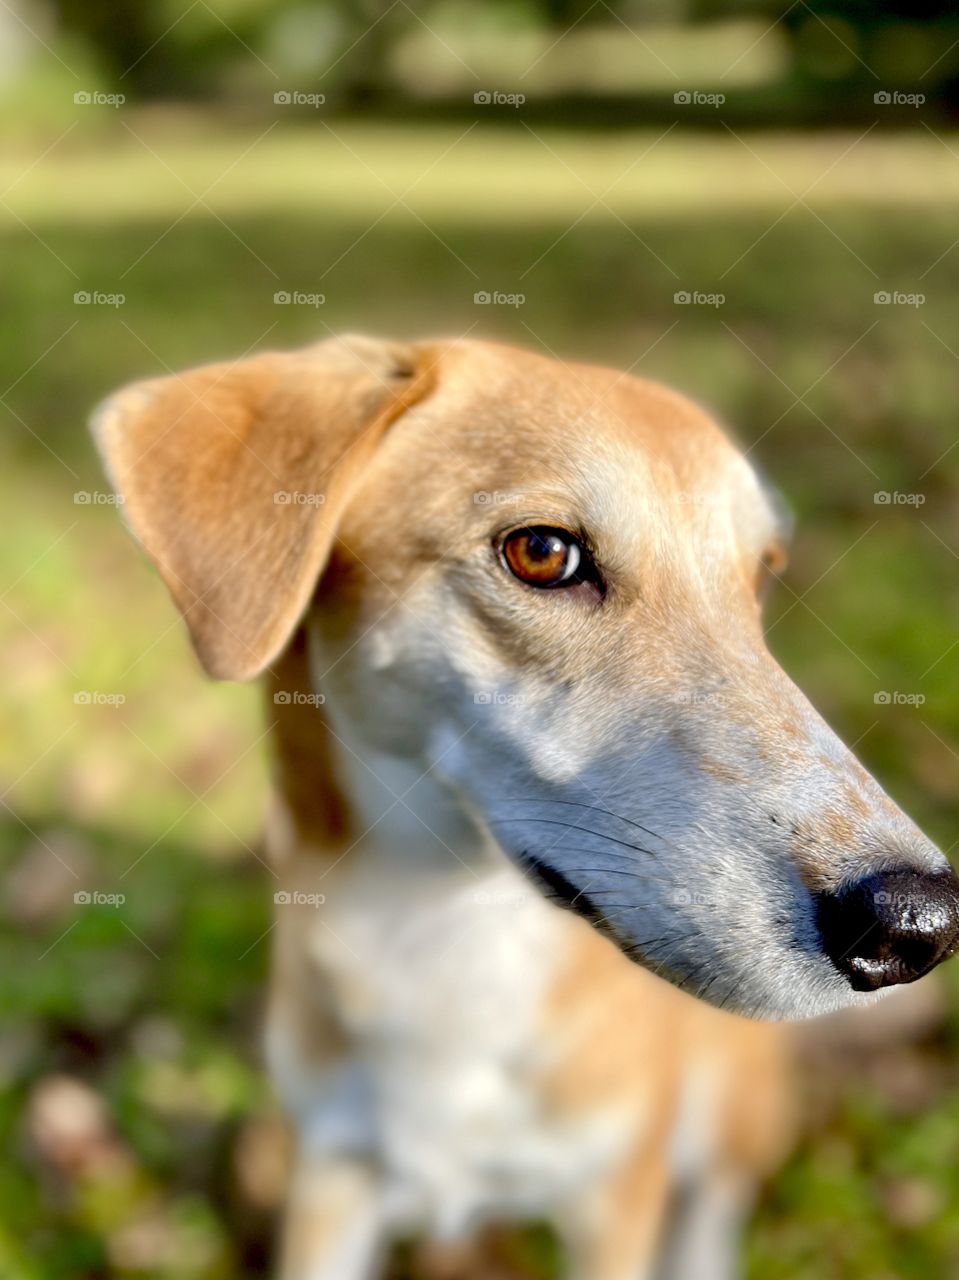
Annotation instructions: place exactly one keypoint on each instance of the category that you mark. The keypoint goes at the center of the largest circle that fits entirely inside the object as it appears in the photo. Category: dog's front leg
(336, 1225)
(616, 1233)
(705, 1229)
(336, 1222)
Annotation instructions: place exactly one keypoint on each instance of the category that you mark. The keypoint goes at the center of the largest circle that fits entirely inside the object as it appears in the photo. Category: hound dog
(547, 813)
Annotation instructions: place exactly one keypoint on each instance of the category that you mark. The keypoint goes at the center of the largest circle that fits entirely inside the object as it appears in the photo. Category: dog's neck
(338, 797)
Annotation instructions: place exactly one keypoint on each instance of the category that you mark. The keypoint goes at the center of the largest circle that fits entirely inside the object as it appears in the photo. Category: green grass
(156, 1003)
(149, 166)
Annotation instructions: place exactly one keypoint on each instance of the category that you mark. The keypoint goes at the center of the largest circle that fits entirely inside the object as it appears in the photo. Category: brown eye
(774, 558)
(545, 557)
(771, 564)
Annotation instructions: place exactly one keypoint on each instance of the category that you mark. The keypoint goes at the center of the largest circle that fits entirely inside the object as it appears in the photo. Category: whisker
(639, 871)
(612, 871)
(552, 822)
(639, 906)
(671, 844)
(577, 804)
(683, 984)
(639, 874)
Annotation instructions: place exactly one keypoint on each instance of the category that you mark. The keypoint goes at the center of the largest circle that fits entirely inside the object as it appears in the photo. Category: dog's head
(543, 582)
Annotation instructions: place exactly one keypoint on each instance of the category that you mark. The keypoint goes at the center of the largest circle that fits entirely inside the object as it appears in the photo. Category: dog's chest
(441, 982)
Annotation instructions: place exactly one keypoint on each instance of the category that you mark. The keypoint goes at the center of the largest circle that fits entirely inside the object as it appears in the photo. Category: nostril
(891, 927)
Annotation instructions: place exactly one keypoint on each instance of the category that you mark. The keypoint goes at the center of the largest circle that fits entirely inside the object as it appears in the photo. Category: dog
(557, 843)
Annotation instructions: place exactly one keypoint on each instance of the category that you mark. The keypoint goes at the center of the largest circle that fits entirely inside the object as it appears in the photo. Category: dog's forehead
(611, 447)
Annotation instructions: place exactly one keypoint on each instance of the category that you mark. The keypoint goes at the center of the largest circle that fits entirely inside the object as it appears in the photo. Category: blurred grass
(148, 166)
(155, 1002)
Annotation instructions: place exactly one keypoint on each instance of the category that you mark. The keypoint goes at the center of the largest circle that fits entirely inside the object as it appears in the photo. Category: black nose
(890, 928)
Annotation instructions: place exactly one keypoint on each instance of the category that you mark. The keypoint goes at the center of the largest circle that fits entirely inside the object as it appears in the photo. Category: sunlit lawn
(159, 796)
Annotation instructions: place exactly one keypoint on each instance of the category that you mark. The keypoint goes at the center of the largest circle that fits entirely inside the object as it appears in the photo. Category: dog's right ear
(234, 476)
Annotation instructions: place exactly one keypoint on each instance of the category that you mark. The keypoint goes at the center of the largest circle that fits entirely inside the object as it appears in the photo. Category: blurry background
(754, 202)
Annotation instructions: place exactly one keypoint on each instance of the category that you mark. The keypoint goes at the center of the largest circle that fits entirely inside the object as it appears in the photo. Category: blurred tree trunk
(372, 27)
(120, 33)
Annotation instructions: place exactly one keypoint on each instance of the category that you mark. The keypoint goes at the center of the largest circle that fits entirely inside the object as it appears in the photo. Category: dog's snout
(891, 927)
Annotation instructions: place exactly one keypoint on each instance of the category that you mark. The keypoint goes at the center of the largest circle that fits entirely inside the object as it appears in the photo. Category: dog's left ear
(234, 476)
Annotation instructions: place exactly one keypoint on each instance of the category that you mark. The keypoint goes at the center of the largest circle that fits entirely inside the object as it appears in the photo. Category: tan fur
(302, 751)
(654, 1089)
(625, 1035)
(204, 461)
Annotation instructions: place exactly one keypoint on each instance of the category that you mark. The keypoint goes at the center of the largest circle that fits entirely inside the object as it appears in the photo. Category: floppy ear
(234, 477)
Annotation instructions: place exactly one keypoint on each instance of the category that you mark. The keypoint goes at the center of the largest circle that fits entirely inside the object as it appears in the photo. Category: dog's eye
(546, 557)
(772, 563)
